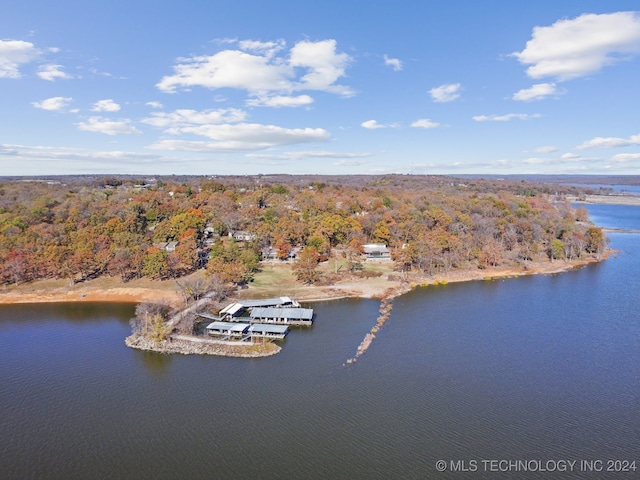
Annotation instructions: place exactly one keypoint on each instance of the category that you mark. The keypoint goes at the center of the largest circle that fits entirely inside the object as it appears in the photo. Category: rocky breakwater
(190, 345)
(384, 314)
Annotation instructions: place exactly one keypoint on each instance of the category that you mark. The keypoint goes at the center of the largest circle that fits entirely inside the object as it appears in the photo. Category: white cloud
(569, 156)
(108, 127)
(241, 137)
(260, 71)
(14, 54)
(269, 49)
(581, 46)
(230, 69)
(280, 101)
(324, 64)
(72, 154)
(505, 118)
(53, 104)
(625, 157)
(372, 125)
(154, 104)
(425, 123)
(445, 93)
(186, 117)
(394, 63)
(546, 149)
(538, 91)
(51, 72)
(609, 142)
(107, 105)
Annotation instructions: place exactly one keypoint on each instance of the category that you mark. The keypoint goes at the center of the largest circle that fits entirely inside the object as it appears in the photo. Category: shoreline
(606, 199)
(188, 345)
(360, 288)
(386, 291)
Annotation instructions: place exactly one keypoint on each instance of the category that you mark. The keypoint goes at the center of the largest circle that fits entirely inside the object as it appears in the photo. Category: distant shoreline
(606, 199)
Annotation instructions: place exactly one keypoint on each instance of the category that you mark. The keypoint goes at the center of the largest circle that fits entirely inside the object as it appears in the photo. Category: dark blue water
(538, 368)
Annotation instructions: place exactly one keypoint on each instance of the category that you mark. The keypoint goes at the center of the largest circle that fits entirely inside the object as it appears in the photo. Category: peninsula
(188, 240)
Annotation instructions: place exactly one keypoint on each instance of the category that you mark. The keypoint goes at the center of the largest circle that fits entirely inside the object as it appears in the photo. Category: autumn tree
(595, 241)
(306, 266)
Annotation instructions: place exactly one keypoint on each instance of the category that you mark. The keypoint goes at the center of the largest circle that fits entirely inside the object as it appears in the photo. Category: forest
(82, 227)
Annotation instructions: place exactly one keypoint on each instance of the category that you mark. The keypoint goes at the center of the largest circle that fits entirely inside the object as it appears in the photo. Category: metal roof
(375, 248)
(264, 328)
(290, 313)
(232, 309)
(228, 326)
(267, 302)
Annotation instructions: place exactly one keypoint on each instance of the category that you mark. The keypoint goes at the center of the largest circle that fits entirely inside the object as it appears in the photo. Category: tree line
(122, 227)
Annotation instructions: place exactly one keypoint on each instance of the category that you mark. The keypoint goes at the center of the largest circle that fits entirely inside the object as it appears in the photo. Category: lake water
(541, 369)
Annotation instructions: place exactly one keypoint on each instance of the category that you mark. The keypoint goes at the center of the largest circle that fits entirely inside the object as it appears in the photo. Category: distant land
(632, 180)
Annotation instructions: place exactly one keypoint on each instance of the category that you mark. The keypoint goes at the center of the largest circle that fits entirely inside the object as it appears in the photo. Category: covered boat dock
(265, 331)
(282, 316)
(227, 330)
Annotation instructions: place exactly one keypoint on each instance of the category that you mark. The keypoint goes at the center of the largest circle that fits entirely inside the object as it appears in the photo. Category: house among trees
(376, 251)
(167, 246)
(272, 253)
(242, 236)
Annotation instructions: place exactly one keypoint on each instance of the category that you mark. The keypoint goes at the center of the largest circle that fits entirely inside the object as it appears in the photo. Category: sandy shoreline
(606, 199)
(39, 292)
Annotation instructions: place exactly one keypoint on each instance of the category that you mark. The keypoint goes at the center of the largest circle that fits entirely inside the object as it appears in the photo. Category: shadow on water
(156, 364)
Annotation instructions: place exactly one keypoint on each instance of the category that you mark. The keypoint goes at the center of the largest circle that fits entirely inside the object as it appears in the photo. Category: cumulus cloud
(260, 68)
(505, 118)
(241, 137)
(53, 104)
(394, 63)
(609, 142)
(107, 105)
(538, 91)
(569, 156)
(52, 72)
(14, 54)
(278, 101)
(187, 117)
(425, 123)
(626, 157)
(445, 93)
(572, 48)
(269, 49)
(108, 127)
(154, 104)
(371, 125)
(325, 66)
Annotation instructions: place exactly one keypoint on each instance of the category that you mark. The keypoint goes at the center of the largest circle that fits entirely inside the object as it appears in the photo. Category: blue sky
(331, 87)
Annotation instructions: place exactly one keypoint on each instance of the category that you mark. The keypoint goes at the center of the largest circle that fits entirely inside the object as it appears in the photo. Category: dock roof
(228, 326)
(268, 328)
(232, 309)
(290, 313)
(267, 302)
